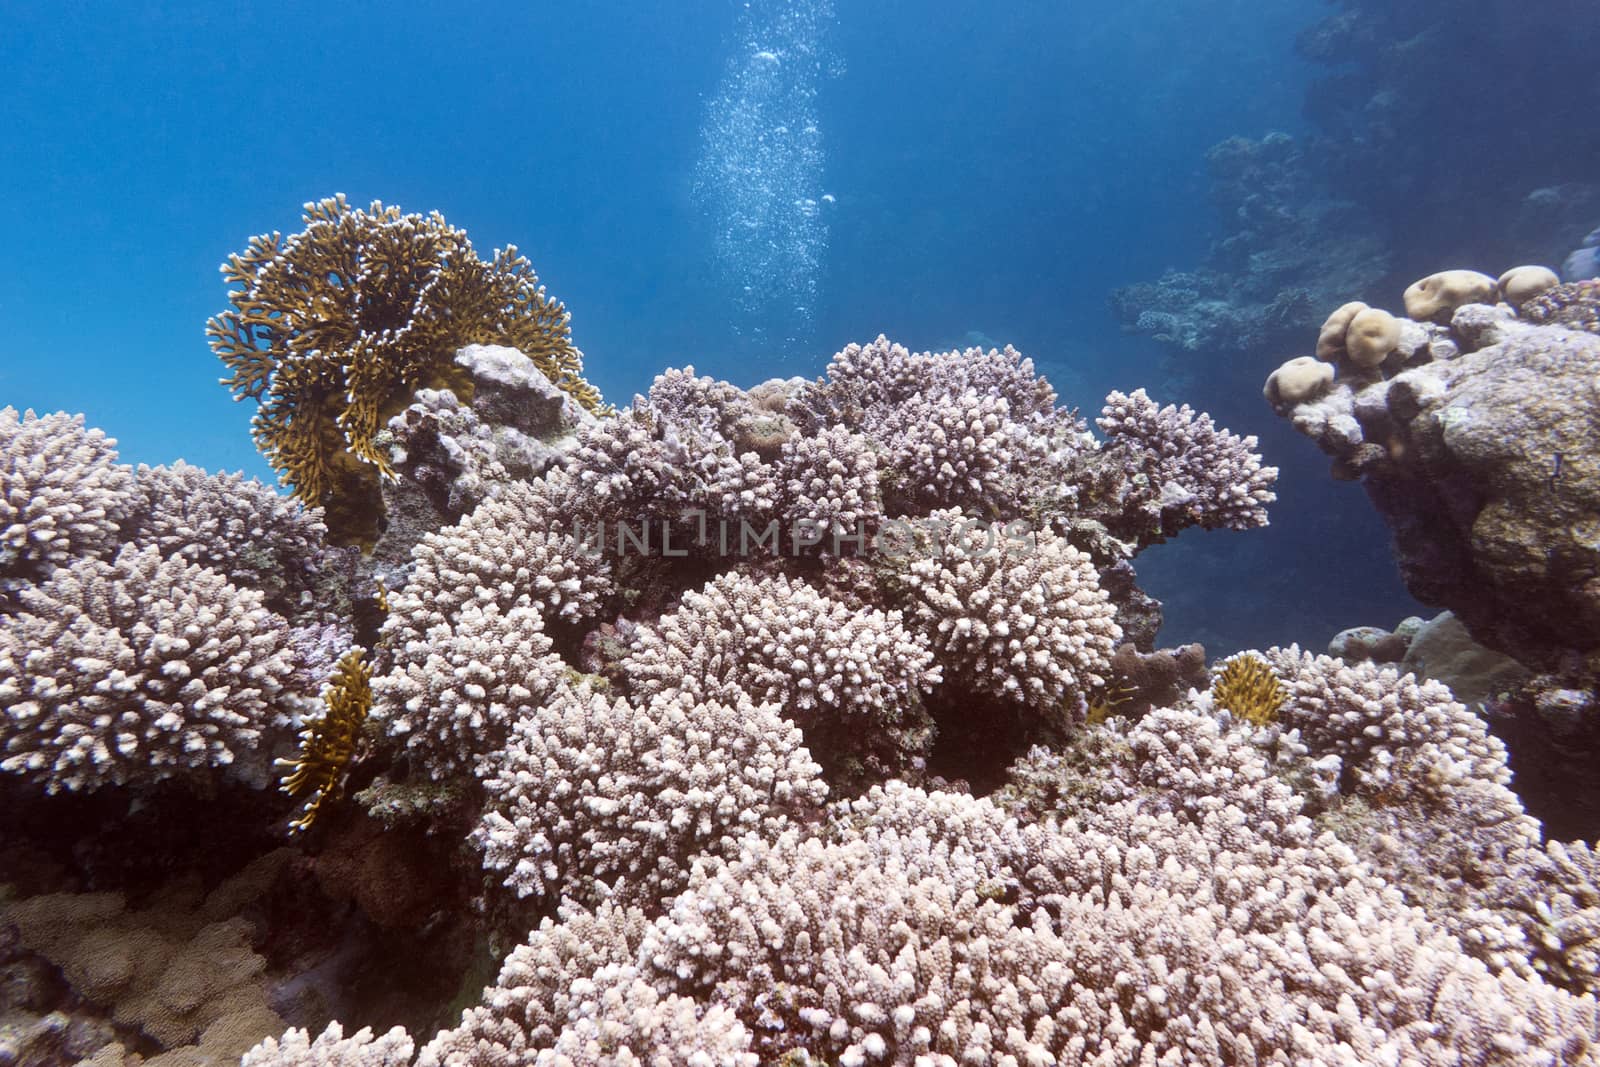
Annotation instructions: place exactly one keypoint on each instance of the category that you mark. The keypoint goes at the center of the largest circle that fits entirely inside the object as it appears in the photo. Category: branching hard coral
(242, 529)
(331, 1048)
(1146, 938)
(140, 669)
(594, 798)
(1195, 474)
(972, 429)
(1246, 687)
(573, 995)
(1023, 620)
(62, 494)
(949, 448)
(334, 329)
(452, 694)
(513, 549)
(328, 741)
(830, 486)
(1368, 714)
(852, 680)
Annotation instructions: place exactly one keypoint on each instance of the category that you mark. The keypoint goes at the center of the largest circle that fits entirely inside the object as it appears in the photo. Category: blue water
(942, 173)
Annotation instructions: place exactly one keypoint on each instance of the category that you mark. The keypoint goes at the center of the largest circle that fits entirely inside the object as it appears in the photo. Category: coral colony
(820, 722)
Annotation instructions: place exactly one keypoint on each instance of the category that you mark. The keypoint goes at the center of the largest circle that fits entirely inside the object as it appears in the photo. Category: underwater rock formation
(1473, 439)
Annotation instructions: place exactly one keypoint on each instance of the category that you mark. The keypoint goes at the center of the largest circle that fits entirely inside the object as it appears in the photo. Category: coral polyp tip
(1247, 688)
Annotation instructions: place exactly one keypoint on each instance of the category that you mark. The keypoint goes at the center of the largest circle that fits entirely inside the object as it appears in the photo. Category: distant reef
(820, 722)
(1441, 132)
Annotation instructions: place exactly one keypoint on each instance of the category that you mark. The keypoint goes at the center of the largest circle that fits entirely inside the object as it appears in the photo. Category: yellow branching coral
(334, 329)
(1246, 687)
(328, 742)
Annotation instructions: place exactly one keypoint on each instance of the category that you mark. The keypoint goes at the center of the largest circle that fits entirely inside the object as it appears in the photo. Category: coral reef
(335, 329)
(1305, 222)
(1289, 244)
(1186, 471)
(639, 791)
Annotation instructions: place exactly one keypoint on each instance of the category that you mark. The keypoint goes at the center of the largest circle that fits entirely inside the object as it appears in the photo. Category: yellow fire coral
(1247, 688)
(328, 742)
(334, 329)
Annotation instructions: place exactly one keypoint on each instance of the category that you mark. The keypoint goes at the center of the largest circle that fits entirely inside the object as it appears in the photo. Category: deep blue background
(994, 171)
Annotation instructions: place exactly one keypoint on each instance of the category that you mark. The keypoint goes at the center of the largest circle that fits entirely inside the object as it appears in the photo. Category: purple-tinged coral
(573, 995)
(1021, 619)
(594, 798)
(969, 429)
(143, 668)
(850, 679)
(62, 494)
(247, 532)
(831, 488)
(1195, 474)
(955, 448)
(506, 552)
(452, 694)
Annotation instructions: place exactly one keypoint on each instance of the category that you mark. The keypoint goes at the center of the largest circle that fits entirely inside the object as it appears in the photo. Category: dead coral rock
(450, 453)
(1482, 467)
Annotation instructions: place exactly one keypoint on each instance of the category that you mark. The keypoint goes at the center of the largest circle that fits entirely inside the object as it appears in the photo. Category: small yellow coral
(1105, 702)
(334, 329)
(328, 742)
(1247, 688)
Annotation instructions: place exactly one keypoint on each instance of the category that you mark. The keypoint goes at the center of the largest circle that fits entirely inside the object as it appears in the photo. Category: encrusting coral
(334, 330)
